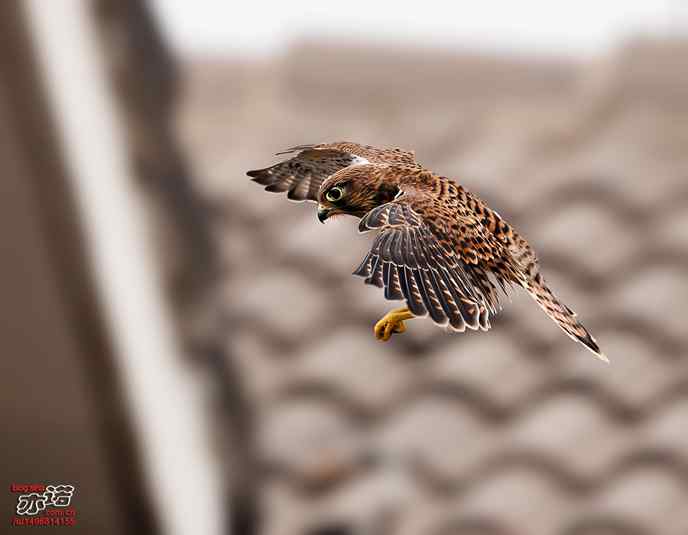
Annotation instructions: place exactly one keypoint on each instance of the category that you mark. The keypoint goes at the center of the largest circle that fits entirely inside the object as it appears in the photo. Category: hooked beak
(323, 213)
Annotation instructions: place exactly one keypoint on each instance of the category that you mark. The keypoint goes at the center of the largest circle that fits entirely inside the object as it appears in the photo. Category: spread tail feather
(562, 315)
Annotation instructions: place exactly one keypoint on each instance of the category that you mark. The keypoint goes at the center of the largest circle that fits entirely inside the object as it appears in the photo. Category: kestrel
(439, 248)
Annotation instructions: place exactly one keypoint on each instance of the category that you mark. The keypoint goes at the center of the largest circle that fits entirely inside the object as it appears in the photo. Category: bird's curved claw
(390, 323)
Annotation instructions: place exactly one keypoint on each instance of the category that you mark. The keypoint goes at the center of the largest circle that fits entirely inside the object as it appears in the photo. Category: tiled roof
(515, 431)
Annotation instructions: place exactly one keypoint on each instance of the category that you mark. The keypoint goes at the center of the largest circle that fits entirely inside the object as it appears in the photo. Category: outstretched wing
(302, 175)
(412, 262)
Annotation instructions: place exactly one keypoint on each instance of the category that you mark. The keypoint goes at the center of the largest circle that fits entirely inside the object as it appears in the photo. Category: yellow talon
(392, 322)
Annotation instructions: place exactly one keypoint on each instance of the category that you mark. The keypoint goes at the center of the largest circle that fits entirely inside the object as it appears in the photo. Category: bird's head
(355, 191)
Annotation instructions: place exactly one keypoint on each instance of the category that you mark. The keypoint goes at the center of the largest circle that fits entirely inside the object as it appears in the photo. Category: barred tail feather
(562, 315)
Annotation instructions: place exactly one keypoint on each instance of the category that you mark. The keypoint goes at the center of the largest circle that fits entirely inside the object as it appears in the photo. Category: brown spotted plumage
(302, 175)
(439, 248)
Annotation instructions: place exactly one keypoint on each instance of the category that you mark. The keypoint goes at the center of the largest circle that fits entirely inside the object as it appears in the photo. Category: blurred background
(193, 354)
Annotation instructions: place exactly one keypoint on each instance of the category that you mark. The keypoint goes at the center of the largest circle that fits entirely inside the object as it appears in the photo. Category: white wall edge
(167, 399)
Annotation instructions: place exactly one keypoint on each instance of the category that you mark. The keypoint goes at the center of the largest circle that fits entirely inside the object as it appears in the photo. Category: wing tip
(261, 176)
(291, 150)
(374, 282)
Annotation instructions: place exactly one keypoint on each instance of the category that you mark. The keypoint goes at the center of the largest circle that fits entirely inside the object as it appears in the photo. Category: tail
(562, 315)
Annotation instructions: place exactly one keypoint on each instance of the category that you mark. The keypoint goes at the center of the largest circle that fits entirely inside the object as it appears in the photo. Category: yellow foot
(392, 322)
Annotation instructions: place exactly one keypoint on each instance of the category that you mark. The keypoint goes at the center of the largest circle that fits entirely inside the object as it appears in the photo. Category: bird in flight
(438, 247)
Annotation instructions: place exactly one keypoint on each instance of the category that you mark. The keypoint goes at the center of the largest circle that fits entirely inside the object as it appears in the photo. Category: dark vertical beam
(51, 308)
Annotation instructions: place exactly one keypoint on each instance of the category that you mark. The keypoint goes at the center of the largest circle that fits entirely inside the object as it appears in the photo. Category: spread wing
(411, 260)
(302, 175)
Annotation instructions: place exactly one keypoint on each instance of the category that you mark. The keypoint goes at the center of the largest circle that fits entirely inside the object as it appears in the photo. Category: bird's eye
(334, 194)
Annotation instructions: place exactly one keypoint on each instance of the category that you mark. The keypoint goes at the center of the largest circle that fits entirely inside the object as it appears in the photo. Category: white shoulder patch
(357, 160)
